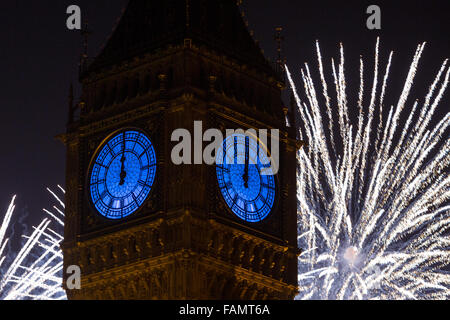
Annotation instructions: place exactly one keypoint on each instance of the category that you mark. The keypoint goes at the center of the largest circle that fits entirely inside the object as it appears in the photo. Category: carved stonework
(184, 242)
(250, 261)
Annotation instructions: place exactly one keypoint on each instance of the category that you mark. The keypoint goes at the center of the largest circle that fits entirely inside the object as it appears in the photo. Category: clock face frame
(122, 174)
(248, 193)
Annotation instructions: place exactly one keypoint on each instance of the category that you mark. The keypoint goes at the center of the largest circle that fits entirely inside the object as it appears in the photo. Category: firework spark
(36, 271)
(373, 195)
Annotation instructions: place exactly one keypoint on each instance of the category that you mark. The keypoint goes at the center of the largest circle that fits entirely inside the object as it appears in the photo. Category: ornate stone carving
(184, 242)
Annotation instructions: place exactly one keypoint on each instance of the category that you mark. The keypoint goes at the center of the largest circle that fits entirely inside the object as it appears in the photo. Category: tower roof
(147, 25)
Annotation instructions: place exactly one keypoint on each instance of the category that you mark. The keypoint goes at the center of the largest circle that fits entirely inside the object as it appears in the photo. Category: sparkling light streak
(35, 273)
(373, 213)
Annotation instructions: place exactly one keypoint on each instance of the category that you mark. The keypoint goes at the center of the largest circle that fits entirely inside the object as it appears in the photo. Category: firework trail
(373, 195)
(36, 271)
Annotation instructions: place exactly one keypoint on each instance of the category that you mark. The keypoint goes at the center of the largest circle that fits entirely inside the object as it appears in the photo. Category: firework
(372, 193)
(36, 271)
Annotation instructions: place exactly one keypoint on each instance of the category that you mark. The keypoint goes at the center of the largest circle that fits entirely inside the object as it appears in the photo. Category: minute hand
(247, 160)
(123, 173)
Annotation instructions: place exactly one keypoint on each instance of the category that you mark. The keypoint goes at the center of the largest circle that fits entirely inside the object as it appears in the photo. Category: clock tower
(140, 226)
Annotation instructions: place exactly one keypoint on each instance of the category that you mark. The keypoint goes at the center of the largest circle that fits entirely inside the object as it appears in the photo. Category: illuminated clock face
(123, 174)
(243, 174)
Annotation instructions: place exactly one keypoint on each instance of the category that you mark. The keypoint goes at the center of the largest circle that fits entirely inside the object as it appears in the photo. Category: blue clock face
(123, 174)
(244, 179)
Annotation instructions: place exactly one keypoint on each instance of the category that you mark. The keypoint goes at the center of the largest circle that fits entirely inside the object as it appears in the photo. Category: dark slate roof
(147, 25)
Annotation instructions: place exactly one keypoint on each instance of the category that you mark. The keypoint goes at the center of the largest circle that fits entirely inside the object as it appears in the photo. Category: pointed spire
(71, 108)
(188, 16)
(147, 26)
(293, 110)
(292, 102)
(84, 57)
(279, 39)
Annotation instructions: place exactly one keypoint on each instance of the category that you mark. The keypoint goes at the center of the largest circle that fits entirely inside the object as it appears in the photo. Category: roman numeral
(103, 195)
(223, 168)
(101, 165)
(265, 185)
(143, 184)
(224, 154)
(111, 150)
(148, 167)
(259, 216)
(260, 197)
(134, 199)
(245, 207)
(235, 150)
(145, 151)
(99, 182)
(227, 185)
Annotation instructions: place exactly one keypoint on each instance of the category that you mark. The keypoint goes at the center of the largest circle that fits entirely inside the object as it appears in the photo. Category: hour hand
(245, 176)
(247, 156)
(123, 174)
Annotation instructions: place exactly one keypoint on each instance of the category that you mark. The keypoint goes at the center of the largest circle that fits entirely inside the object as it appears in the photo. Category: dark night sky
(39, 58)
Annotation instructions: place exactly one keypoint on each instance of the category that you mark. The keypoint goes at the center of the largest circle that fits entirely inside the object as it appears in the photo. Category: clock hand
(247, 156)
(123, 173)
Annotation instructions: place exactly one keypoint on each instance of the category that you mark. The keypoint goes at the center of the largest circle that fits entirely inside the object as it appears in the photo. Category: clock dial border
(92, 162)
(276, 192)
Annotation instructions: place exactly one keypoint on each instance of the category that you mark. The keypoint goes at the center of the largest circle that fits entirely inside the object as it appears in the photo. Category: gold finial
(279, 39)
(71, 109)
(188, 16)
(85, 33)
(162, 82)
(212, 83)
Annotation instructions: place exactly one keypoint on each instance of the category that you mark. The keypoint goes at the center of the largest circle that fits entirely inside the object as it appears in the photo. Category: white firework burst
(373, 193)
(35, 272)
